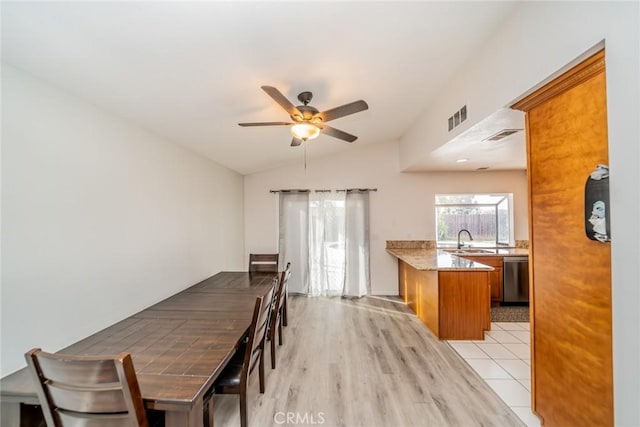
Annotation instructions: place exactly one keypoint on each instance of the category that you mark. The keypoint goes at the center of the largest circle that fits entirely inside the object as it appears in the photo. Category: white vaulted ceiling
(190, 71)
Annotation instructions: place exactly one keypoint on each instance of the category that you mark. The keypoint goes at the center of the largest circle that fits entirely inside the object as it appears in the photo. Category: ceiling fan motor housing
(307, 112)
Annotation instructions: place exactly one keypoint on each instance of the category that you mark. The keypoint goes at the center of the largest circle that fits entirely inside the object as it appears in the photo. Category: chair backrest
(87, 391)
(280, 296)
(266, 263)
(257, 332)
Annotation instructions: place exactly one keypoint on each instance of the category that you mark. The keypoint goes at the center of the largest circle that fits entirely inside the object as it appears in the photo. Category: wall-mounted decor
(596, 205)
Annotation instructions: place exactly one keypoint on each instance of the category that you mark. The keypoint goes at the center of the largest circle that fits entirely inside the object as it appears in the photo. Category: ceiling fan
(307, 121)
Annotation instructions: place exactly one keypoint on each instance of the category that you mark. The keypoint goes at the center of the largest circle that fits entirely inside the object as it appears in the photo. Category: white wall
(401, 209)
(99, 218)
(533, 44)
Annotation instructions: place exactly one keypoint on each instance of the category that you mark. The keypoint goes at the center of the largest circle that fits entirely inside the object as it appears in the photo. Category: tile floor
(503, 360)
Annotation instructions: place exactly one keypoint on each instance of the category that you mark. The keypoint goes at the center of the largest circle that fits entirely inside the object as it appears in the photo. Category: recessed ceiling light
(462, 160)
(483, 168)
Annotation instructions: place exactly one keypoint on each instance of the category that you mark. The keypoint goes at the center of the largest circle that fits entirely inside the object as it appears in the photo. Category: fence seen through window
(488, 217)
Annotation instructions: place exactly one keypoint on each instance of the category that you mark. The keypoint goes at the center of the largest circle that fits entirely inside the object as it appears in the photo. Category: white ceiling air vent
(457, 118)
(502, 134)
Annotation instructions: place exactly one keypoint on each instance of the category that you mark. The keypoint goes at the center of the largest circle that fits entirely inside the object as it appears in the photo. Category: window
(489, 218)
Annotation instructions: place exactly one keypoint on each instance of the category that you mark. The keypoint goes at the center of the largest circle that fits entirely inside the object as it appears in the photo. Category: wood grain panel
(429, 310)
(452, 304)
(465, 309)
(420, 289)
(571, 275)
(409, 282)
(402, 281)
(231, 282)
(582, 72)
(221, 302)
(495, 276)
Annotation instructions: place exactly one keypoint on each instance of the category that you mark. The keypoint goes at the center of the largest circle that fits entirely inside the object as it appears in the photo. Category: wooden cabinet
(495, 276)
(464, 304)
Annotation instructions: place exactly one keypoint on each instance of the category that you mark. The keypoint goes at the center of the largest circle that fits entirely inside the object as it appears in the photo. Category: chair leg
(285, 321)
(280, 332)
(243, 407)
(261, 371)
(273, 354)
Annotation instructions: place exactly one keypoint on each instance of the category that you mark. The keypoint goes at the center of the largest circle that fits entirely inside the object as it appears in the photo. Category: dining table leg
(208, 420)
(192, 418)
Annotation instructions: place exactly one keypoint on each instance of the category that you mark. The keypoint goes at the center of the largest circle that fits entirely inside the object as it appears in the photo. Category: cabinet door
(495, 277)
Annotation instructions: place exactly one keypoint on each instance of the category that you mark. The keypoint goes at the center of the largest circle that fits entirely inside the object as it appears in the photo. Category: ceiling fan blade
(282, 100)
(265, 124)
(295, 142)
(337, 133)
(343, 110)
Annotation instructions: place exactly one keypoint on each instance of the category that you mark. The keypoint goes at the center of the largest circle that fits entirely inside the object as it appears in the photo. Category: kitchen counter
(432, 279)
(451, 259)
(436, 260)
(449, 293)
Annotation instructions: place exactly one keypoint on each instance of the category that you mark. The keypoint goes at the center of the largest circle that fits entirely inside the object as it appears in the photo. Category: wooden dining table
(179, 347)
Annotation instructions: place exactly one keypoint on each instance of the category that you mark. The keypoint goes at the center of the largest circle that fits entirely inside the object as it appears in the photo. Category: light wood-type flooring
(365, 362)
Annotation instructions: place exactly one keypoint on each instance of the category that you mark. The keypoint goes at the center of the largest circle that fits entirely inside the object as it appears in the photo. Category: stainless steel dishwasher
(515, 280)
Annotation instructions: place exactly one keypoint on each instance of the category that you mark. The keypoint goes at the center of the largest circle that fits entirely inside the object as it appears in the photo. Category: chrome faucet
(459, 233)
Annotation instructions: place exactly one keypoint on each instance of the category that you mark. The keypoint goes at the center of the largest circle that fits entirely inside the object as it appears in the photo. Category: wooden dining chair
(277, 313)
(285, 303)
(91, 391)
(263, 263)
(234, 379)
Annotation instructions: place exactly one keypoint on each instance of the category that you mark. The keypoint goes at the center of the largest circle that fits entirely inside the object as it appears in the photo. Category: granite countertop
(451, 259)
(436, 259)
(490, 251)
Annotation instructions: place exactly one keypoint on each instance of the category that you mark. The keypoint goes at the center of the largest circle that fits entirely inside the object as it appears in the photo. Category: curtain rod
(289, 191)
(359, 189)
(322, 191)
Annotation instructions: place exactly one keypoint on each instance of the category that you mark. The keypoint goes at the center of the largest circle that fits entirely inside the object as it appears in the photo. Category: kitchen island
(450, 294)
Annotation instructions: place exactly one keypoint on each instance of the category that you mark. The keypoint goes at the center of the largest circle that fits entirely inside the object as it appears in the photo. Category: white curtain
(357, 282)
(294, 239)
(325, 236)
(326, 243)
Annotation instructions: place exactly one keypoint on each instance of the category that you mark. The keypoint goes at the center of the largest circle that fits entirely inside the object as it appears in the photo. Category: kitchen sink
(472, 251)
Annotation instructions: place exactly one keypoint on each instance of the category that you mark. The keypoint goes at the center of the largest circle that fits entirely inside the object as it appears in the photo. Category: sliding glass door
(325, 236)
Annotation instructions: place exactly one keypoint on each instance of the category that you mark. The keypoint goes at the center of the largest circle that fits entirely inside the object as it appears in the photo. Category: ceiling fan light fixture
(305, 131)
(308, 122)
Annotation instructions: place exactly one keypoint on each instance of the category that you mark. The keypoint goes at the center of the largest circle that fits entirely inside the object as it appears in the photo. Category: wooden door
(571, 275)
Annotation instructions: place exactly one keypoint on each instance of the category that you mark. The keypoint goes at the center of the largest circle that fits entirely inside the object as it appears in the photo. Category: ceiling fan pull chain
(305, 158)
